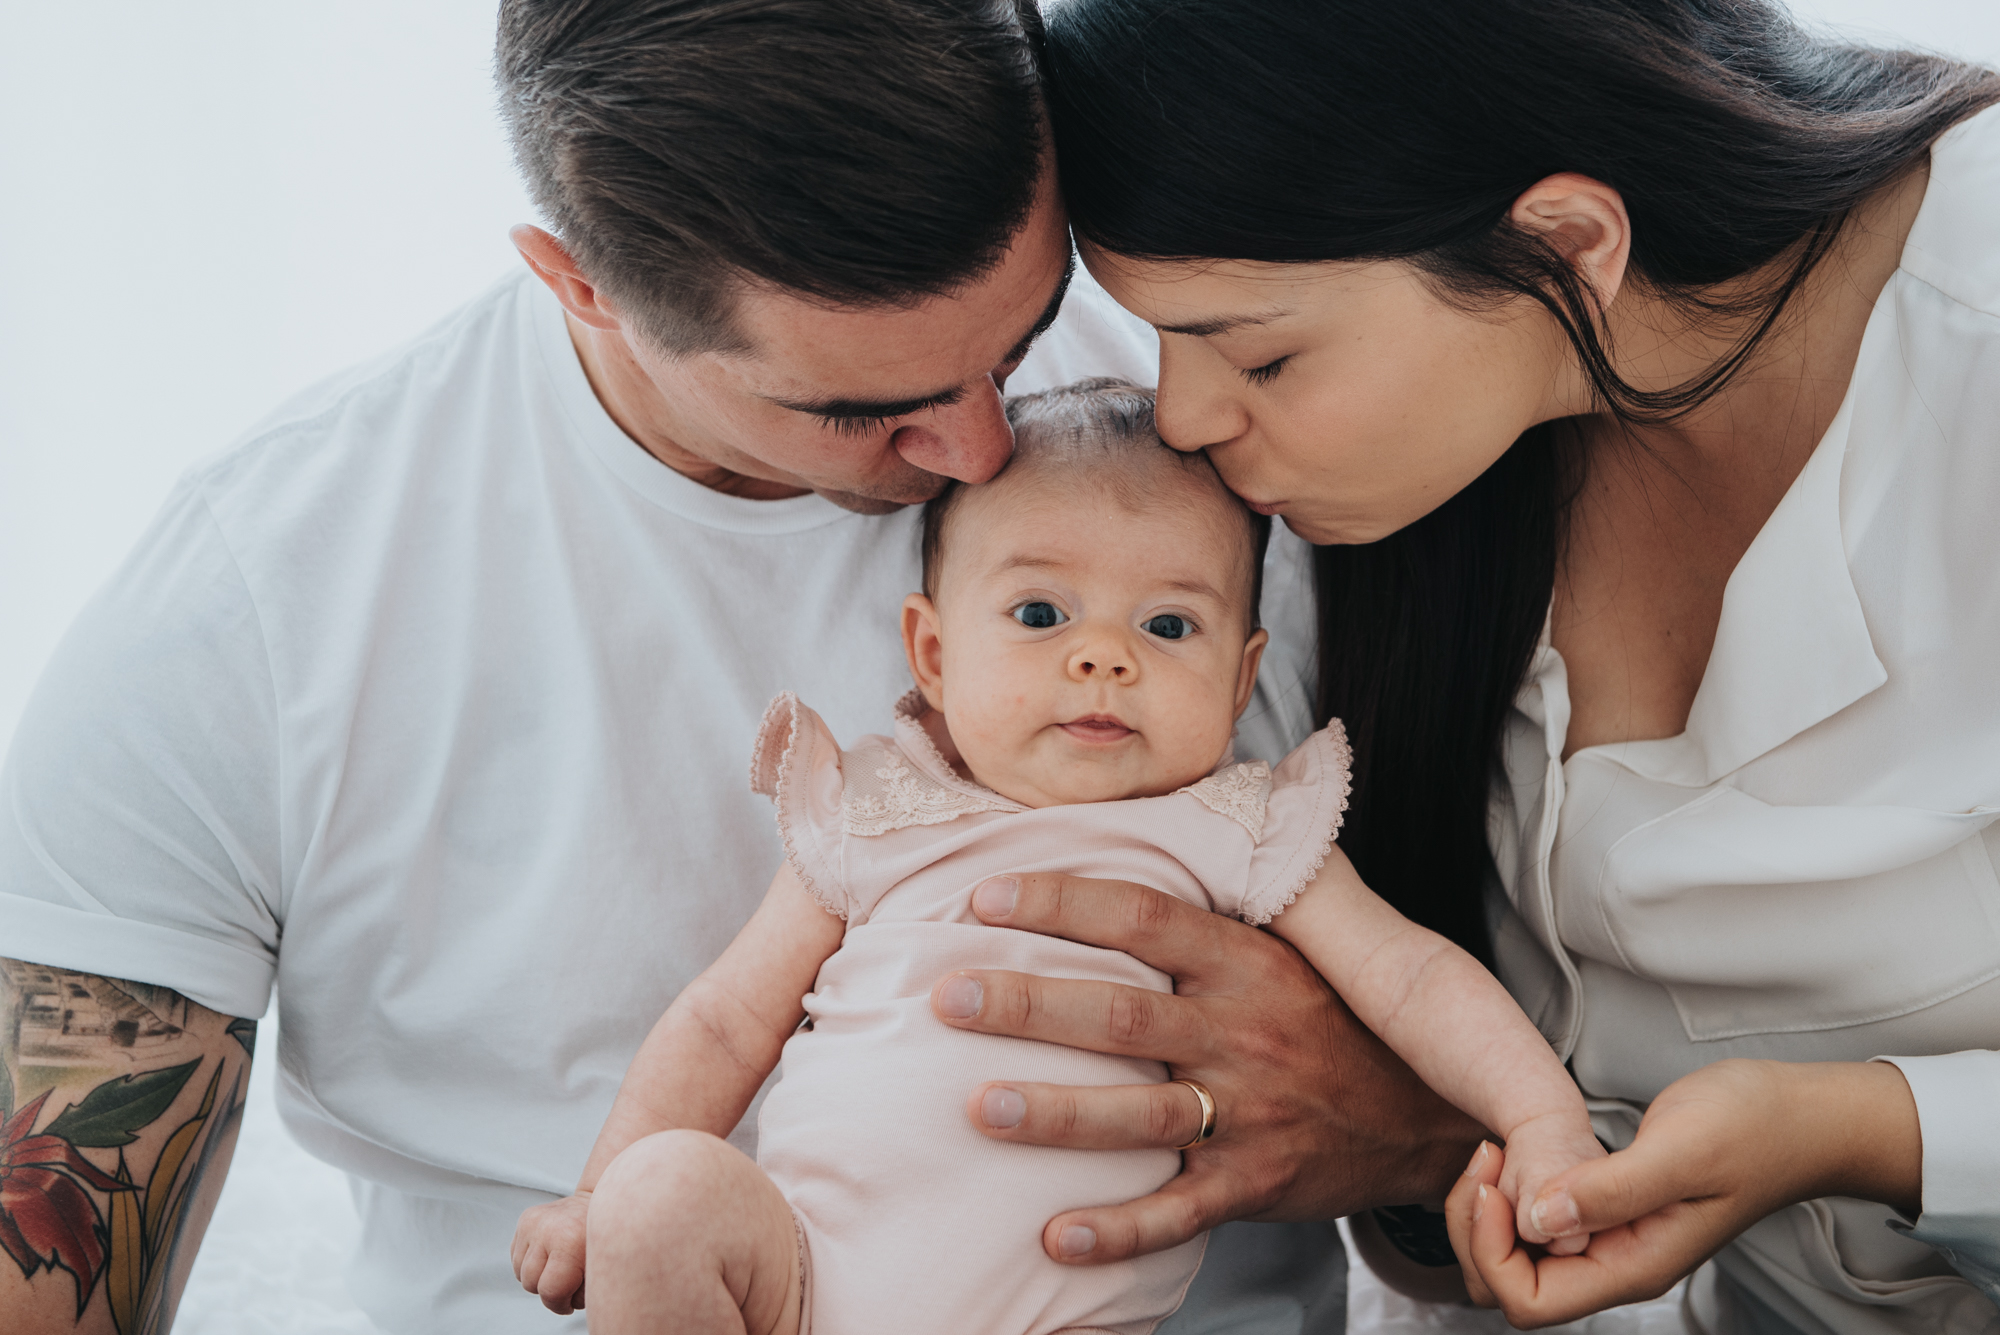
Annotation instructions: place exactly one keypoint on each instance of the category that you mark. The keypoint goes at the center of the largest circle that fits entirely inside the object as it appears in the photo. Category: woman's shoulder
(1954, 246)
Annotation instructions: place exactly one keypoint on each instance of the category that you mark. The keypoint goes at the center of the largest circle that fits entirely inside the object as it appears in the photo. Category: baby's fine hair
(1095, 425)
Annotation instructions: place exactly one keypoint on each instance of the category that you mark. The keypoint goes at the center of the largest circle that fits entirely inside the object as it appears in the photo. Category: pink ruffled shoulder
(796, 763)
(1302, 817)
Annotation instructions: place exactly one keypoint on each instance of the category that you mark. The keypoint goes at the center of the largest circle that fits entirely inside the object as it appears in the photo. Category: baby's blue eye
(1039, 616)
(1169, 627)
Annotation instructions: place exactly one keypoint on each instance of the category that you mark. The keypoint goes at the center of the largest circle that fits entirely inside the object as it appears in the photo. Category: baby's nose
(1100, 657)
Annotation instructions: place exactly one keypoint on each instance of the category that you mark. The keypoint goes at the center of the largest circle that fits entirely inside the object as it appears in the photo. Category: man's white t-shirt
(431, 702)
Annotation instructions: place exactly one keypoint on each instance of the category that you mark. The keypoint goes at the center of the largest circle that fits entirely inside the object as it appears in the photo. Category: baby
(1085, 642)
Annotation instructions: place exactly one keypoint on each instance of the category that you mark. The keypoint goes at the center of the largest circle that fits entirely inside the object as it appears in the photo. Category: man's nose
(1103, 656)
(968, 440)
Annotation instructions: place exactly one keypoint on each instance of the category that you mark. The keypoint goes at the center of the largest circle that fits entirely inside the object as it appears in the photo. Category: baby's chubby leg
(686, 1234)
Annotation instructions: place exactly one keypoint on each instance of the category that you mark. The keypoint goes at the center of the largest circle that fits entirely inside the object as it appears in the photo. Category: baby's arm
(699, 1068)
(1450, 1019)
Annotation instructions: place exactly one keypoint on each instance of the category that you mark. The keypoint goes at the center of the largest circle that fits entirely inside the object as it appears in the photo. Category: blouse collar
(1793, 647)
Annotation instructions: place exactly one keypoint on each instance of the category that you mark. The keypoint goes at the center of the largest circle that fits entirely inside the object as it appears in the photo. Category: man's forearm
(119, 1104)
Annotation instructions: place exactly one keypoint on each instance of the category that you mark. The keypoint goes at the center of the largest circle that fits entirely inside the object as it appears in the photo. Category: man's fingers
(1106, 1117)
(1076, 1013)
(1170, 935)
(1188, 1205)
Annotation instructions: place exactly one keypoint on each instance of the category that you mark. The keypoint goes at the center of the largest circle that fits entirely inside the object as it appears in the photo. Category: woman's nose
(1197, 404)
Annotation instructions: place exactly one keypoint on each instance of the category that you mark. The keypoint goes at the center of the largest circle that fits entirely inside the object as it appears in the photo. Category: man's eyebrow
(836, 409)
(1222, 324)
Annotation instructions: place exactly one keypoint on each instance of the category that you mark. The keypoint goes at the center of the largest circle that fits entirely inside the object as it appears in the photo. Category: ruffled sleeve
(1307, 804)
(796, 763)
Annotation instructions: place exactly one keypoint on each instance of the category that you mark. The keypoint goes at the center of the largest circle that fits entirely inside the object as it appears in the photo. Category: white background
(204, 207)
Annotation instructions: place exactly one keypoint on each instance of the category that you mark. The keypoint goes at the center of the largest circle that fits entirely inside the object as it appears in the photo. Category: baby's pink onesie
(913, 1222)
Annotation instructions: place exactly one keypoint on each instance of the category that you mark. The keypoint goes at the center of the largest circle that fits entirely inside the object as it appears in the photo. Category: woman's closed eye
(1039, 616)
(1265, 374)
(1169, 626)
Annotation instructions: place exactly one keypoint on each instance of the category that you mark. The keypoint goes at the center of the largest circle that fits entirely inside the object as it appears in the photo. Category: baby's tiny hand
(1538, 1151)
(548, 1252)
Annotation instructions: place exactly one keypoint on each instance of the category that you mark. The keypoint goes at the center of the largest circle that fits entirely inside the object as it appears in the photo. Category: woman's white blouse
(1808, 872)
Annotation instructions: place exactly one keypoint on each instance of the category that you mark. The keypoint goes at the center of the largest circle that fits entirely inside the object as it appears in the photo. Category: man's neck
(632, 401)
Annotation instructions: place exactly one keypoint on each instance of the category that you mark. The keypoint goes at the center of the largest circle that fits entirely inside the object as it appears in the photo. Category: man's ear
(554, 265)
(1246, 675)
(1585, 220)
(923, 645)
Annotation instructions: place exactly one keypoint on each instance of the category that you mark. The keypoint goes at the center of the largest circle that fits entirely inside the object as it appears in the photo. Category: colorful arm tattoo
(119, 1104)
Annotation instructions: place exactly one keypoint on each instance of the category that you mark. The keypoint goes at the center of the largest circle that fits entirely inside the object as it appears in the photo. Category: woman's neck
(1665, 513)
(1771, 415)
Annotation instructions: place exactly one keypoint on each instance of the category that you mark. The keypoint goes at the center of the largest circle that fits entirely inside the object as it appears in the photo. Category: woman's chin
(1324, 532)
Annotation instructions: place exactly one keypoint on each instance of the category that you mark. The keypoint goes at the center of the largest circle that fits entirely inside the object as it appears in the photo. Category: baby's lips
(1098, 728)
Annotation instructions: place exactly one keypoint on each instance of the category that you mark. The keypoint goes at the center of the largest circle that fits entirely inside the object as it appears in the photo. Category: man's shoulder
(436, 383)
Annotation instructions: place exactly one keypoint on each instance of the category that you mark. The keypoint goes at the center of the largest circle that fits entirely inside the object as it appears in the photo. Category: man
(430, 700)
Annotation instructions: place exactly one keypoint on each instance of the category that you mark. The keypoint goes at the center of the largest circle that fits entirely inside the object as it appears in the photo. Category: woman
(1639, 367)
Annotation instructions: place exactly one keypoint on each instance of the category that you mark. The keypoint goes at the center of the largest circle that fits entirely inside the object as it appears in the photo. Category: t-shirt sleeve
(796, 763)
(139, 827)
(1956, 1094)
(1309, 791)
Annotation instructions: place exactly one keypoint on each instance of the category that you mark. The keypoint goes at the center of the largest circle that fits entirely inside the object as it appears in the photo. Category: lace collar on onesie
(890, 785)
(884, 789)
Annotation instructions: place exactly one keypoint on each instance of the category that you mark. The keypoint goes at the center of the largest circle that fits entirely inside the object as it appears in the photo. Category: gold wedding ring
(1207, 1113)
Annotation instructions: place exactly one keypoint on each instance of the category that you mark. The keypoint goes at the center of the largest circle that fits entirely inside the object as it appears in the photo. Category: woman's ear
(923, 645)
(1246, 674)
(1585, 220)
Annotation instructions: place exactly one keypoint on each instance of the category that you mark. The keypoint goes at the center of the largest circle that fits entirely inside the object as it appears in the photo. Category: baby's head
(1088, 625)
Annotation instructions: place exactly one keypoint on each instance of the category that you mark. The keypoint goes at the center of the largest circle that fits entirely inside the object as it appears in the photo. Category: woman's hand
(1315, 1116)
(548, 1252)
(1718, 1150)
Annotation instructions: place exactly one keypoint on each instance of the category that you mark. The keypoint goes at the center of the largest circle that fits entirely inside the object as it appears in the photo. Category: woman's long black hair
(1312, 130)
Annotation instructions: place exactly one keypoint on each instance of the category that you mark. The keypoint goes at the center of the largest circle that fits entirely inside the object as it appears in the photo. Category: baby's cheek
(1204, 721)
(991, 729)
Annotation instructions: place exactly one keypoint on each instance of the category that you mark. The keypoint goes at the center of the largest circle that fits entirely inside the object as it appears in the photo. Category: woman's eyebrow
(1222, 324)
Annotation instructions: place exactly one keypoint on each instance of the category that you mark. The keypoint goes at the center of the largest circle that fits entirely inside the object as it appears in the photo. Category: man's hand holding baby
(1317, 1118)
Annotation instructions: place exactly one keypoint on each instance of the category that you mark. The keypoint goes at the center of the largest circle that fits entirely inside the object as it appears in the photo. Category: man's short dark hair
(857, 152)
